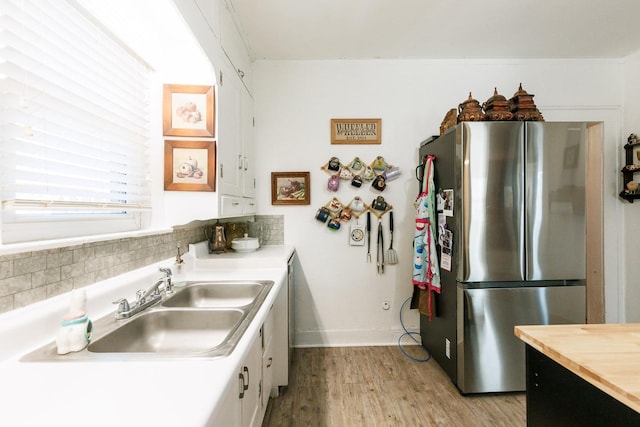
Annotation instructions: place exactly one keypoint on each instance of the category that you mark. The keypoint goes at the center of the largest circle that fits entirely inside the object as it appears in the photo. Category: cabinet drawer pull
(242, 386)
(270, 362)
(245, 369)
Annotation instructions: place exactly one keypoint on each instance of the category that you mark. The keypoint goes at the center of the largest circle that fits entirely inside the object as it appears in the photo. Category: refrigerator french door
(519, 251)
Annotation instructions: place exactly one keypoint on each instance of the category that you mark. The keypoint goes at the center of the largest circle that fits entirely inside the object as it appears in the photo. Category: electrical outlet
(447, 348)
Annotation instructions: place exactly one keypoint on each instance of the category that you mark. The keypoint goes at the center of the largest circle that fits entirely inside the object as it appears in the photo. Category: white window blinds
(74, 122)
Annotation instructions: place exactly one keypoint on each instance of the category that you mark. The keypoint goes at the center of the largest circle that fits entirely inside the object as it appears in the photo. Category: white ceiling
(440, 29)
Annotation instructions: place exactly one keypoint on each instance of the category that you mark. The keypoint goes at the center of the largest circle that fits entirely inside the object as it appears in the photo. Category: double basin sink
(201, 319)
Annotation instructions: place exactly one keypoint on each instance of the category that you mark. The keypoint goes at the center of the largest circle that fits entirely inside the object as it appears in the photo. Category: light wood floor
(379, 386)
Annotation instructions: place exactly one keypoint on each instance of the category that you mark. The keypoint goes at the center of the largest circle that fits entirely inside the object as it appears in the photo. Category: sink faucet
(146, 298)
(155, 289)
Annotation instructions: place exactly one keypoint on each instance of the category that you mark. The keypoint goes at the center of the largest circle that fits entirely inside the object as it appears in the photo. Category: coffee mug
(335, 206)
(345, 215)
(334, 164)
(334, 183)
(369, 174)
(379, 164)
(379, 183)
(334, 224)
(391, 173)
(322, 215)
(356, 164)
(345, 174)
(379, 204)
(357, 205)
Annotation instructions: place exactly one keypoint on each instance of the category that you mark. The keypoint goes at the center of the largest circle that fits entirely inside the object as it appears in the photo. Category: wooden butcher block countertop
(605, 355)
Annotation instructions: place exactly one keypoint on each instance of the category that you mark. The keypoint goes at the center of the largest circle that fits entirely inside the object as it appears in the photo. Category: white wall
(338, 300)
(183, 61)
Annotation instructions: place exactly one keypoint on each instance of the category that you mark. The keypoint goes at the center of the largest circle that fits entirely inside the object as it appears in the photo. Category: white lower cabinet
(230, 412)
(250, 377)
(267, 359)
(244, 403)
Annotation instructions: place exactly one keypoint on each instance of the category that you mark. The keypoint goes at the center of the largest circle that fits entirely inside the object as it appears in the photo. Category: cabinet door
(233, 44)
(230, 160)
(267, 374)
(209, 9)
(248, 167)
(228, 411)
(251, 372)
(267, 359)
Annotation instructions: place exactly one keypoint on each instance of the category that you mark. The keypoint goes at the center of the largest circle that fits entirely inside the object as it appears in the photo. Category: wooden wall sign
(356, 131)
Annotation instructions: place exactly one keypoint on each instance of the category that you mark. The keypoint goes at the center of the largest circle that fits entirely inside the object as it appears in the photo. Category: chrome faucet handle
(123, 305)
(168, 286)
(140, 298)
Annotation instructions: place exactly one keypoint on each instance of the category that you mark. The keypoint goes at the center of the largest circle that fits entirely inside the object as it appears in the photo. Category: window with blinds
(74, 125)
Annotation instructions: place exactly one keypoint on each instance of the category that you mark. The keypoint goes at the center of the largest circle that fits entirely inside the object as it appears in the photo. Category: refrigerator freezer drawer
(490, 357)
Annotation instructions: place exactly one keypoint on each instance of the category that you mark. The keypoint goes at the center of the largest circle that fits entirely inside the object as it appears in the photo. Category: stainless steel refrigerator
(518, 248)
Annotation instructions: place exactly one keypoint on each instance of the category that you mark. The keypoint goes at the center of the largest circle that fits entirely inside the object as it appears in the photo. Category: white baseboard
(352, 338)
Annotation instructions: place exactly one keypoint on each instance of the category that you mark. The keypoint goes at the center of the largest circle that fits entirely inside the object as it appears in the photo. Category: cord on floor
(411, 335)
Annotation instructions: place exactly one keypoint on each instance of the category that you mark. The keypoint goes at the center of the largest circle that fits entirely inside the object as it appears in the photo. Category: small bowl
(245, 244)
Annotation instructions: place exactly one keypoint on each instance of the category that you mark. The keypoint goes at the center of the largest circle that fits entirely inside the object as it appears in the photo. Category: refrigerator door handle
(468, 308)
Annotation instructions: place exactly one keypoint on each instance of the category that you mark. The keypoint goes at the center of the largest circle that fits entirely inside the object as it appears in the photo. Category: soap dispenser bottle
(179, 271)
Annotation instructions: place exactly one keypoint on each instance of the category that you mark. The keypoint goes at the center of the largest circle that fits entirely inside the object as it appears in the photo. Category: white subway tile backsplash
(6, 269)
(6, 303)
(29, 265)
(29, 297)
(15, 284)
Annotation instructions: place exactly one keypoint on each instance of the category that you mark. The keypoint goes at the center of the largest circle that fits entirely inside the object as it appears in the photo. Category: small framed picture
(188, 110)
(290, 188)
(189, 165)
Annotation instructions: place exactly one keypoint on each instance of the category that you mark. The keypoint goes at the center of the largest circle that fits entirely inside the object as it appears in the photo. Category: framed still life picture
(189, 165)
(290, 188)
(188, 110)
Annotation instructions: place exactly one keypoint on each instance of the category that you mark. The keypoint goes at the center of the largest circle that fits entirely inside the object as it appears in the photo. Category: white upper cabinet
(248, 148)
(233, 45)
(236, 168)
(230, 161)
(210, 10)
(212, 23)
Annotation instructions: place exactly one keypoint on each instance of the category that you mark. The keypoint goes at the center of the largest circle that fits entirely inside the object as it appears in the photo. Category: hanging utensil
(368, 236)
(392, 255)
(380, 249)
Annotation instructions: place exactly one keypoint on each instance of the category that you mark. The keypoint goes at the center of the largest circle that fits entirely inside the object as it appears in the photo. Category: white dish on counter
(245, 244)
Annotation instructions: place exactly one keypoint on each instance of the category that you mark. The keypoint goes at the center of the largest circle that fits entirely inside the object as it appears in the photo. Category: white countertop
(136, 393)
